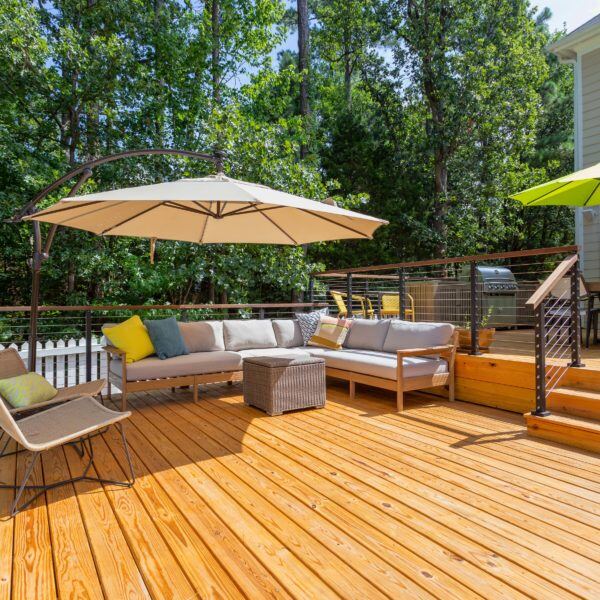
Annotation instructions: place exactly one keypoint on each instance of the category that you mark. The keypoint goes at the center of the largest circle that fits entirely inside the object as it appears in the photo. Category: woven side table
(279, 384)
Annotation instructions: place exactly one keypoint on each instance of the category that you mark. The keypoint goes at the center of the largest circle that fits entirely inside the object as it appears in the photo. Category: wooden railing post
(88, 345)
(474, 310)
(575, 318)
(349, 295)
(402, 293)
(540, 361)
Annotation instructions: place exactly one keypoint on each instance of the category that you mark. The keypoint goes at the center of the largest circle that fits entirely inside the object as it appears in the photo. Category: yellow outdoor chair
(366, 310)
(390, 306)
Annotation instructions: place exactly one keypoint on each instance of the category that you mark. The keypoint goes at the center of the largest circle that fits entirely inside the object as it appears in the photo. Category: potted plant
(486, 334)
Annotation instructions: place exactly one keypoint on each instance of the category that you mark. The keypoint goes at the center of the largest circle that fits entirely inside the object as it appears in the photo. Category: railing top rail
(107, 307)
(454, 259)
(552, 281)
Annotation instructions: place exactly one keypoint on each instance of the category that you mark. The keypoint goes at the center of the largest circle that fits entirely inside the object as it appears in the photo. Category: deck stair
(575, 411)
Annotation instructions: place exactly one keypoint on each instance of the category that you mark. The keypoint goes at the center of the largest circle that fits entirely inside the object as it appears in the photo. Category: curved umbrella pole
(41, 249)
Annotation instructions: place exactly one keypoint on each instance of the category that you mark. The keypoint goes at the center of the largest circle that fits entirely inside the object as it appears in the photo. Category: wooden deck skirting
(446, 500)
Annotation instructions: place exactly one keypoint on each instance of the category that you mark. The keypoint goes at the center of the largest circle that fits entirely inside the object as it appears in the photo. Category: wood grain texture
(446, 500)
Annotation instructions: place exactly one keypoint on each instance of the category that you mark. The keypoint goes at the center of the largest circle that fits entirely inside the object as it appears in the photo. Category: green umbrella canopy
(581, 188)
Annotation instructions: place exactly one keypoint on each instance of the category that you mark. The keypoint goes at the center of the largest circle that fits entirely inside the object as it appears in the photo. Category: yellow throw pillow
(132, 337)
(330, 333)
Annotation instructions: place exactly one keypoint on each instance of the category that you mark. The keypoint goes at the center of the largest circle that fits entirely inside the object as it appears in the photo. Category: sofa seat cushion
(379, 364)
(196, 363)
(274, 352)
(248, 334)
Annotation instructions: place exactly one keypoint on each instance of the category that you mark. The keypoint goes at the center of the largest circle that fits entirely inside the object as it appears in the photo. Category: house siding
(590, 155)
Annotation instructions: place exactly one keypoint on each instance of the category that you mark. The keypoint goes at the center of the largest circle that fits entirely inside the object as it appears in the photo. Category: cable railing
(485, 296)
(556, 306)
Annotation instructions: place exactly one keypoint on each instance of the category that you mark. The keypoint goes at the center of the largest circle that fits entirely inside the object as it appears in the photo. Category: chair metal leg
(87, 445)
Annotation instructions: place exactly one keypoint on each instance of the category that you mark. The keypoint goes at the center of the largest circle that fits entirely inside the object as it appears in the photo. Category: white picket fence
(62, 362)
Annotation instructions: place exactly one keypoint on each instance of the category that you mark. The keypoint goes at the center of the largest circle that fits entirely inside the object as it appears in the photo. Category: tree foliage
(428, 113)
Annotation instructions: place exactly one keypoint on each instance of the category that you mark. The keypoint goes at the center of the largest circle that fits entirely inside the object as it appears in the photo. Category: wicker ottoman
(278, 384)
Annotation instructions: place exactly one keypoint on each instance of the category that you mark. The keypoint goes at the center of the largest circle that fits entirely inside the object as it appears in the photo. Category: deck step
(575, 401)
(566, 429)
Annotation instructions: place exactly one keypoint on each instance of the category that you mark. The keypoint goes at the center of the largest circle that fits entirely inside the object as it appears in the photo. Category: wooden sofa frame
(402, 385)
(146, 385)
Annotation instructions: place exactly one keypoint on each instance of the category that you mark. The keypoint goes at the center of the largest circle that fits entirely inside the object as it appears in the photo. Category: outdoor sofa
(395, 355)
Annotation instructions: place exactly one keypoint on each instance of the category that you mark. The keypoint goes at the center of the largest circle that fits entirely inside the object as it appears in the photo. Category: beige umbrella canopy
(213, 209)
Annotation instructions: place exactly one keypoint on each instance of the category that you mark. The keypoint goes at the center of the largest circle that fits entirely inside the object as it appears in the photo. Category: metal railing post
(401, 293)
(540, 361)
(261, 313)
(88, 345)
(349, 295)
(311, 289)
(575, 318)
(474, 310)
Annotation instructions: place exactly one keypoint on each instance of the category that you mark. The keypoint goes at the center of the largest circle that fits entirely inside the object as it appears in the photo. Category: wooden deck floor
(355, 501)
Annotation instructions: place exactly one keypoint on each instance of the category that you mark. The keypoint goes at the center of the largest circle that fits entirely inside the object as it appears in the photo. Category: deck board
(446, 500)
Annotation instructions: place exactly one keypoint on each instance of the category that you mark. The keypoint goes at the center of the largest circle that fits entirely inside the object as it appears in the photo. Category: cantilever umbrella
(213, 209)
(581, 188)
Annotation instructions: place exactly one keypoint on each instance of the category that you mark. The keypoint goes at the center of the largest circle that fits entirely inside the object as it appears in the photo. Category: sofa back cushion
(287, 333)
(406, 334)
(202, 336)
(367, 334)
(246, 334)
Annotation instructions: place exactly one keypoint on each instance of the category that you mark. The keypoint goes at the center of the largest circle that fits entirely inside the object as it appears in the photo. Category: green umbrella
(581, 188)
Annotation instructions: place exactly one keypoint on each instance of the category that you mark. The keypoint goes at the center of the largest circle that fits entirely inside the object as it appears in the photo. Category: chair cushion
(275, 352)
(166, 338)
(26, 390)
(287, 333)
(202, 336)
(406, 334)
(196, 363)
(367, 334)
(379, 364)
(132, 337)
(244, 334)
(330, 333)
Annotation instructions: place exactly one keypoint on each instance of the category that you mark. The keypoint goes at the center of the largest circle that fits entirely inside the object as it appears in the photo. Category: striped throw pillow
(330, 333)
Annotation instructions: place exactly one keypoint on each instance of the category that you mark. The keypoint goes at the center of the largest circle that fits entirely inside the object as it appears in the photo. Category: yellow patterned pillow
(26, 390)
(330, 333)
(132, 337)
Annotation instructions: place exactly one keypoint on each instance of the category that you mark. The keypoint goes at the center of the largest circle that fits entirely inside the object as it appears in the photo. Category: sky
(572, 12)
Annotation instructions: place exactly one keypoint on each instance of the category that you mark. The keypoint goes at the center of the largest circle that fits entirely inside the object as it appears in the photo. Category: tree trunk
(216, 51)
(303, 68)
(440, 207)
(347, 69)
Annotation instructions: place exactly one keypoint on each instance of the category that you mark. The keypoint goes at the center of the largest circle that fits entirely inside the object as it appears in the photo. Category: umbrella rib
(250, 209)
(279, 227)
(63, 208)
(205, 224)
(593, 192)
(187, 208)
(548, 193)
(142, 212)
(360, 233)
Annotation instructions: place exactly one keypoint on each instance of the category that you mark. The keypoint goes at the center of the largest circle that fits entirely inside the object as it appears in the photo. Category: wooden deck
(355, 501)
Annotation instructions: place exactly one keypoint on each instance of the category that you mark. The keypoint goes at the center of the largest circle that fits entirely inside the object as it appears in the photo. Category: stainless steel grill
(498, 295)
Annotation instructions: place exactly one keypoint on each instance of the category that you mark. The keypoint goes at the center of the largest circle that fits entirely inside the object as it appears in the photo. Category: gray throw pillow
(166, 338)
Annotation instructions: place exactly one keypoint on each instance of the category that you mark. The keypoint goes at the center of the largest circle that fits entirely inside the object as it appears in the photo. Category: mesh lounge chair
(12, 365)
(73, 421)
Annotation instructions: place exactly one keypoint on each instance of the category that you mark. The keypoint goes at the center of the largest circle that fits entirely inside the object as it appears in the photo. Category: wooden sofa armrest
(114, 350)
(446, 349)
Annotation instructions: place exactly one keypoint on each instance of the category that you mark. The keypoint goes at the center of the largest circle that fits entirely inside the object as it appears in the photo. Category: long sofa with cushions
(396, 355)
